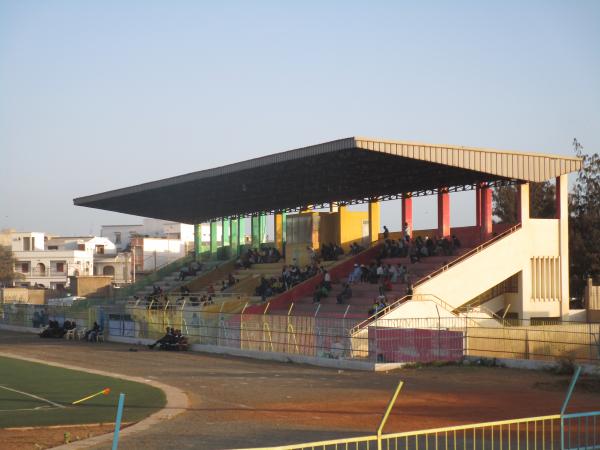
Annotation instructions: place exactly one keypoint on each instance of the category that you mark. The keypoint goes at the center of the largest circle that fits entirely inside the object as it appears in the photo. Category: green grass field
(34, 394)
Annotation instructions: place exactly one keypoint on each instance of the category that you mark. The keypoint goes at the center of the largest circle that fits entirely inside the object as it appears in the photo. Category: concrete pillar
(486, 212)
(443, 212)
(234, 236)
(525, 288)
(255, 231)
(262, 224)
(242, 230)
(478, 206)
(197, 241)
(342, 214)
(522, 202)
(214, 244)
(562, 214)
(225, 233)
(374, 220)
(407, 212)
(278, 230)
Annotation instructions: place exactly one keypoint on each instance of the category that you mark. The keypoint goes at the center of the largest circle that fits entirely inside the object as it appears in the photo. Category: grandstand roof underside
(346, 170)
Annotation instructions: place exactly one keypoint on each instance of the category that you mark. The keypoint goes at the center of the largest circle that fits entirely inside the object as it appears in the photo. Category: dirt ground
(241, 403)
(47, 437)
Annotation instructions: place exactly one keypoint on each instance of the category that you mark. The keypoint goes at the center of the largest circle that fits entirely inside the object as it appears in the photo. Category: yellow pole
(387, 413)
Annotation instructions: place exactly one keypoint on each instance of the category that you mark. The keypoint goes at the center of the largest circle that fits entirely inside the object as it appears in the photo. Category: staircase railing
(417, 297)
(467, 255)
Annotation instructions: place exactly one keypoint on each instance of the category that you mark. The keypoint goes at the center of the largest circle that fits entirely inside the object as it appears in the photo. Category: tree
(584, 223)
(542, 204)
(7, 265)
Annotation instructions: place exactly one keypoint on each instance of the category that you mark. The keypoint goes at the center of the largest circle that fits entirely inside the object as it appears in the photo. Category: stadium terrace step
(364, 294)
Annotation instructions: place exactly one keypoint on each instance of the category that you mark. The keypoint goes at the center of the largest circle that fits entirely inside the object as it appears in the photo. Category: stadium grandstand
(331, 284)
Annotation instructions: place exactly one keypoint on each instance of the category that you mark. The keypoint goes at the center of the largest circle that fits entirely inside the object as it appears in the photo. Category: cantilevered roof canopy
(347, 170)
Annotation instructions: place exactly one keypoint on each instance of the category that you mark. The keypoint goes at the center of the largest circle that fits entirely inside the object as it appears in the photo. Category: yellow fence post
(387, 413)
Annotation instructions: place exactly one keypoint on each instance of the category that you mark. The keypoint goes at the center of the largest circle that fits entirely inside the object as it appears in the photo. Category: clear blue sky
(100, 95)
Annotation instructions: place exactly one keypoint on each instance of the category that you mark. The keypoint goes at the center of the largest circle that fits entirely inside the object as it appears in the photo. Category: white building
(121, 235)
(155, 243)
(49, 261)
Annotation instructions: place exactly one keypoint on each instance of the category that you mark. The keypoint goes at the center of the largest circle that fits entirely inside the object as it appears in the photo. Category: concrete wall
(92, 286)
(23, 295)
(532, 251)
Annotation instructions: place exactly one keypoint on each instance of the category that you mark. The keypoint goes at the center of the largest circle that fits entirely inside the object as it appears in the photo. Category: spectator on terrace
(364, 277)
(231, 280)
(455, 241)
(211, 289)
(320, 292)
(374, 308)
(345, 295)
(182, 274)
(386, 232)
(327, 280)
(393, 271)
(406, 231)
(355, 274)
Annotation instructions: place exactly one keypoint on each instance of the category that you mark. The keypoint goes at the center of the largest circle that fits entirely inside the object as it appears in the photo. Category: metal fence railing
(577, 431)
(417, 340)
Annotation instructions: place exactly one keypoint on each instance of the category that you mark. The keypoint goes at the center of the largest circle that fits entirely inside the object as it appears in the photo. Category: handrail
(384, 311)
(418, 297)
(467, 255)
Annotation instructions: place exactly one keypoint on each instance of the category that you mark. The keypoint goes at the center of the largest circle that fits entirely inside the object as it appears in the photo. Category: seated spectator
(320, 292)
(455, 241)
(374, 308)
(345, 295)
(355, 274)
(231, 280)
(327, 280)
(182, 274)
(92, 335)
(53, 330)
(167, 338)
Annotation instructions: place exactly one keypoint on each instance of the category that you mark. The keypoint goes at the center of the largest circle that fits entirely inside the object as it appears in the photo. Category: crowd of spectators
(172, 340)
(54, 330)
(190, 270)
(420, 247)
(265, 254)
(331, 252)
